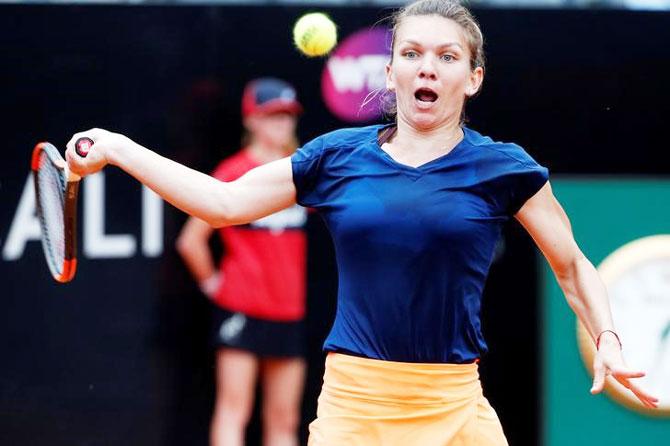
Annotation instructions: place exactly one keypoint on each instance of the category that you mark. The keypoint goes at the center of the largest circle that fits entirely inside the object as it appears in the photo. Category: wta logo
(354, 76)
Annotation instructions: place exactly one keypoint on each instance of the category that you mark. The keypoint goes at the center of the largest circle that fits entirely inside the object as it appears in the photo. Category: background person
(258, 290)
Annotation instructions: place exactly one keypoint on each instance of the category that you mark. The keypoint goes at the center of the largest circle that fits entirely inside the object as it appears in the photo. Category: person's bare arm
(193, 246)
(547, 223)
(261, 191)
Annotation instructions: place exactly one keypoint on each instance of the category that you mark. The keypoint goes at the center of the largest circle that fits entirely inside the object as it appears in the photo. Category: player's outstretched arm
(262, 191)
(544, 219)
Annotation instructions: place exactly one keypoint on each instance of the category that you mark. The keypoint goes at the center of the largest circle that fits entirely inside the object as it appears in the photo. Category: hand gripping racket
(56, 190)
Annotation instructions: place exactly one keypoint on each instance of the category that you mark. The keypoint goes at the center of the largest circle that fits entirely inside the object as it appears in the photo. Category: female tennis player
(414, 208)
(259, 290)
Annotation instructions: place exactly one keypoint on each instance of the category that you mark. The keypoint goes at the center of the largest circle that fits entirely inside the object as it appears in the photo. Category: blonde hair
(449, 9)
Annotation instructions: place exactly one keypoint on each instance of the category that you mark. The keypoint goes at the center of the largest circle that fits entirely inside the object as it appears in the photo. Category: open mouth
(425, 95)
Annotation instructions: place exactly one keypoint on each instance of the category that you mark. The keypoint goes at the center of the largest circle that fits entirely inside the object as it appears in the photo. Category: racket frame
(70, 193)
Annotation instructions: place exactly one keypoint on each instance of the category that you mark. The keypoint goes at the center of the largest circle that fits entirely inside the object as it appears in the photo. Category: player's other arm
(260, 192)
(547, 223)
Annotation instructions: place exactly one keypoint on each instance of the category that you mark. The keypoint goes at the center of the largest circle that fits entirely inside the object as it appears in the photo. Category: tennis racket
(56, 190)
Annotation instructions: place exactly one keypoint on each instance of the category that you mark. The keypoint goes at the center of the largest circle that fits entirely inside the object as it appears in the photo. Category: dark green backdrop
(605, 214)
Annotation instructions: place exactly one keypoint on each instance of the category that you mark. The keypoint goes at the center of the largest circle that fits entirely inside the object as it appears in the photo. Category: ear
(389, 77)
(475, 81)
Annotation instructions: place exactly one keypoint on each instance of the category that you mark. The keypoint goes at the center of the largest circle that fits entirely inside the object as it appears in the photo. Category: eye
(411, 54)
(447, 57)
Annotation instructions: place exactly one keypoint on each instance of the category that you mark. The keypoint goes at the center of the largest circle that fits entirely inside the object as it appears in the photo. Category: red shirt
(264, 262)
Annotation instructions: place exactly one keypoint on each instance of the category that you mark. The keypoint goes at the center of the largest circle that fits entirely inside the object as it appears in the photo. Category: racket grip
(82, 146)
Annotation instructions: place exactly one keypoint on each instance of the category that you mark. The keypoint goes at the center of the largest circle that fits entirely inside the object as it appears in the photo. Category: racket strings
(51, 189)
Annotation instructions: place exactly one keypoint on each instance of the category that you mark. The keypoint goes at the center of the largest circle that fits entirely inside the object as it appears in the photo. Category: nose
(427, 69)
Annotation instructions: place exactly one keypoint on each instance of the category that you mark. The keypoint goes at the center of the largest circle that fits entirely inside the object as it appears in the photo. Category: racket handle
(82, 146)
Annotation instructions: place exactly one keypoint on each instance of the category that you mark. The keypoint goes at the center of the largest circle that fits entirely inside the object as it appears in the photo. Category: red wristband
(605, 331)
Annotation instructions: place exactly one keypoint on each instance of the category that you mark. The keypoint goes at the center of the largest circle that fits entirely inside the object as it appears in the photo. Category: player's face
(276, 130)
(430, 71)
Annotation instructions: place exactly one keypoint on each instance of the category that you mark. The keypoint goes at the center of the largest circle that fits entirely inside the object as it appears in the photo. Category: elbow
(221, 218)
(188, 241)
(218, 222)
(182, 244)
(222, 212)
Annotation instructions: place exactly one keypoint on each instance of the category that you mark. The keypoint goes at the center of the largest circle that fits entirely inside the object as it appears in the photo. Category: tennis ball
(314, 34)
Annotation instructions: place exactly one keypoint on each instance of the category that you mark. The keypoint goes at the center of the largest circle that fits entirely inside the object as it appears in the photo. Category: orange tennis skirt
(370, 402)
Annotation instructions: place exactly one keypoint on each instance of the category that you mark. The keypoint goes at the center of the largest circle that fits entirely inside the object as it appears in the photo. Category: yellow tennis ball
(315, 34)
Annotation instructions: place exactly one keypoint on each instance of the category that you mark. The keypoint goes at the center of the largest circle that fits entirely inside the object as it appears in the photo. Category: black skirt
(262, 337)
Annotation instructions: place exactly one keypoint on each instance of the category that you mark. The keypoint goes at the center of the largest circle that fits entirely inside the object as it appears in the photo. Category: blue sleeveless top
(413, 245)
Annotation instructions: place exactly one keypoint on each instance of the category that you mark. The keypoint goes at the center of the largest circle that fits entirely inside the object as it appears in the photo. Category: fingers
(626, 373)
(623, 376)
(645, 398)
(614, 365)
(94, 161)
(599, 373)
(74, 161)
